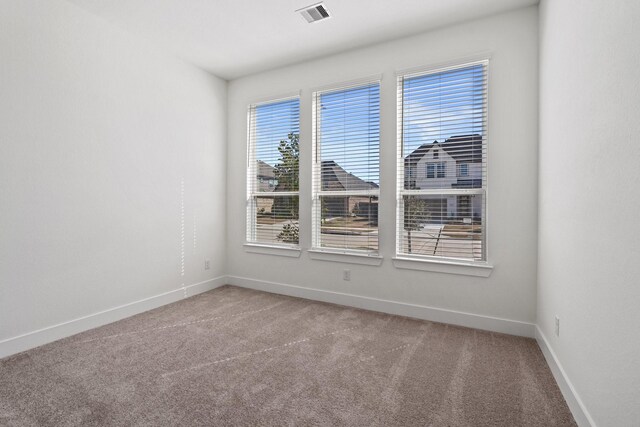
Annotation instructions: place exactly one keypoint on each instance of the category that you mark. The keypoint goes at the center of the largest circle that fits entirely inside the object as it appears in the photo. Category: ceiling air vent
(314, 13)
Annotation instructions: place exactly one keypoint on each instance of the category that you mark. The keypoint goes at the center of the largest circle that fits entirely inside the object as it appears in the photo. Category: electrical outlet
(207, 264)
(346, 275)
(557, 326)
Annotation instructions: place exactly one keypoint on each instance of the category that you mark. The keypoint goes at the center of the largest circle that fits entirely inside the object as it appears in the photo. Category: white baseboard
(574, 402)
(506, 326)
(52, 333)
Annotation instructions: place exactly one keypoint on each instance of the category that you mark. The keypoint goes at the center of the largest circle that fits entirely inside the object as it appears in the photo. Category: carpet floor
(235, 356)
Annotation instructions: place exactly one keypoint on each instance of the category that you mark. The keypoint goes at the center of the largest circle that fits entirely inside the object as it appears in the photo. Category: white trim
(444, 266)
(274, 99)
(477, 321)
(275, 193)
(288, 251)
(52, 333)
(453, 64)
(364, 258)
(399, 161)
(445, 192)
(316, 226)
(349, 193)
(336, 87)
(577, 407)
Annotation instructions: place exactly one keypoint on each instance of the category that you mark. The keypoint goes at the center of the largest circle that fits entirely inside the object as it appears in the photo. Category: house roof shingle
(335, 178)
(463, 148)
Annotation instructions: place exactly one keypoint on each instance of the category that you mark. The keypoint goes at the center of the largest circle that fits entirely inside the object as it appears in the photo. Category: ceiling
(233, 38)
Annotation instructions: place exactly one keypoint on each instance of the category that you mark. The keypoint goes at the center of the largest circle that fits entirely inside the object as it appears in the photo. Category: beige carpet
(234, 356)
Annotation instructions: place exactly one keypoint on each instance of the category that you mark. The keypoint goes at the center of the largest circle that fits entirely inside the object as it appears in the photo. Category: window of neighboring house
(431, 170)
(436, 154)
(411, 180)
(436, 170)
(272, 203)
(443, 219)
(463, 169)
(346, 177)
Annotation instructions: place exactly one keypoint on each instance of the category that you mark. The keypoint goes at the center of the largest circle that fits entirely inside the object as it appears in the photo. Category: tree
(415, 214)
(286, 174)
(286, 170)
(290, 233)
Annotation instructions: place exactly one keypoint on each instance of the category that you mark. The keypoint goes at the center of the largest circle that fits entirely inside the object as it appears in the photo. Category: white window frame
(251, 244)
(403, 260)
(317, 251)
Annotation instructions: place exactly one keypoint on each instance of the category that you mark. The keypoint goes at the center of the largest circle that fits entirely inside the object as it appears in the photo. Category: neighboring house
(266, 179)
(335, 178)
(454, 163)
(270, 205)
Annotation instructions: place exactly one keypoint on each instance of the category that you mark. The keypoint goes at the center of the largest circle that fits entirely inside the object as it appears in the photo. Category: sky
(349, 131)
(273, 122)
(435, 107)
(441, 105)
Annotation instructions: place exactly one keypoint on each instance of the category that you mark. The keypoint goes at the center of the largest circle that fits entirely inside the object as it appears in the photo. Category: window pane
(431, 171)
(463, 169)
(275, 140)
(276, 219)
(347, 151)
(443, 122)
(348, 138)
(442, 170)
(274, 167)
(443, 225)
(349, 222)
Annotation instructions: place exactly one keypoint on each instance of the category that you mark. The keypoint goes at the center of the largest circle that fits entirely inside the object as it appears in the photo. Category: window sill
(345, 257)
(443, 266)
(287, 251)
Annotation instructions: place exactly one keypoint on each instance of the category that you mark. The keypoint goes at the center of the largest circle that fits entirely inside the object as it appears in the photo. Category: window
(463, 169)
(436, 170)
(346, 141)
(443, 218)
(431, 170)
(272, 179)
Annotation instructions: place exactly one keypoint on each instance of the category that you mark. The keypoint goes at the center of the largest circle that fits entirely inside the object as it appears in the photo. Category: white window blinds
(346, 140)
(442, 164)
(273, 170)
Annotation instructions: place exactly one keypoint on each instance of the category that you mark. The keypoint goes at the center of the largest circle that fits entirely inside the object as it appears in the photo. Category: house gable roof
(265, 170)
(463, 148)
(335, 178)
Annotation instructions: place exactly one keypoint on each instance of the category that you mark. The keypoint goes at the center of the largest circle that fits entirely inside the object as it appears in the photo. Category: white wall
(589, 256)
(510, 291)
(96, 133)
